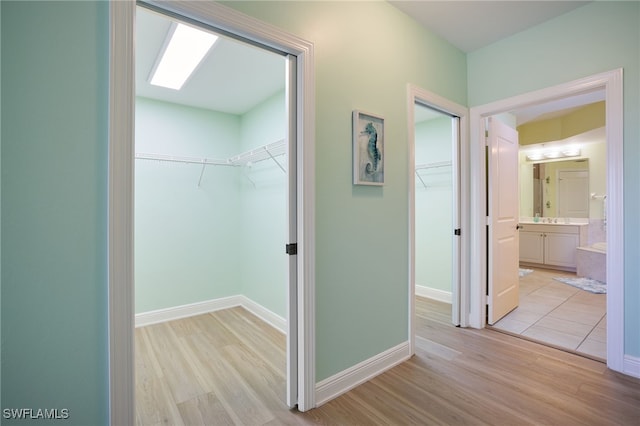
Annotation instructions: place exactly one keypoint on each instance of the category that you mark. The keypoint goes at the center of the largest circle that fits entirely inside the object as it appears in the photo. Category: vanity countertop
(554, 221)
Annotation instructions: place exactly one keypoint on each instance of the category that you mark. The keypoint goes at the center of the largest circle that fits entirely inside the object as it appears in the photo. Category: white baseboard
(348, 379)
(184, 311)
(631, 366)
(432, 293)
(199, 308)
(275, 320)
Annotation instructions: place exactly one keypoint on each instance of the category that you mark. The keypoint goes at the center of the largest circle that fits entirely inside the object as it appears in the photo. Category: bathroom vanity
(551, 245)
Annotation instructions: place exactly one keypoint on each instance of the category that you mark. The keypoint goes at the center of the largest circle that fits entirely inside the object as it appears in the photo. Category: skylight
(181, 56)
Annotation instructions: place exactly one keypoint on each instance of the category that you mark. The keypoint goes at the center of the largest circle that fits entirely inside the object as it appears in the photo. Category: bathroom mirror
(555, 188)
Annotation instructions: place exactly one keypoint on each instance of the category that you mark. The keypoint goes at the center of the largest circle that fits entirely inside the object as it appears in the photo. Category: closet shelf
(256, 155)
(265, 152)
(433, 165)
(187, 160)
(428, 166)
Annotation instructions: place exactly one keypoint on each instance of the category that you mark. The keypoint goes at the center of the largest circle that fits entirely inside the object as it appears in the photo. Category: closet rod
(432, 184)
(187, 160)
(430, 166)
(433, 165)
(265, 152)
(262, 153)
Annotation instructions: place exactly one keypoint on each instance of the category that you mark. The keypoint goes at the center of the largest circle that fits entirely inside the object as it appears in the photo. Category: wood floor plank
(155, 404)
(204, 410)
(147, 366)
(258, 375)
(426, 385)
(234, 367)
(518, 386)
(242, 402)
(271, 345)
(435, 348)
(179, 375)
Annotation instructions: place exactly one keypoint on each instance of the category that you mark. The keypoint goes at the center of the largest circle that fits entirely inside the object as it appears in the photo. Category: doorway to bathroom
(562, 187)
(562, 238)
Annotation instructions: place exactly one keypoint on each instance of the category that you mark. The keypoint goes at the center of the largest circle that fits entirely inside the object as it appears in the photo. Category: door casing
(460, 306)
(611, 82)
(120, 182)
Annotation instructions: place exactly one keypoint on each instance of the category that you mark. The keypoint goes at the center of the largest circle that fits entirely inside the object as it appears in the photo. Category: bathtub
(592, 261)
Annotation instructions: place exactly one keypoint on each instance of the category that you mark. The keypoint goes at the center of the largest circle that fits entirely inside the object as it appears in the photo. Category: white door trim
(415, 95)
(121, 154)
(611, 82)
(120, 227)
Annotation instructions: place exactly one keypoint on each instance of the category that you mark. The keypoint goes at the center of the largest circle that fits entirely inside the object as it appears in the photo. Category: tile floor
(558, 314)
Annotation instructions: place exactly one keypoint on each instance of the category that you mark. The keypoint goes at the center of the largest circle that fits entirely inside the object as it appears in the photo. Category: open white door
(292, 247)
(503, 220)
(455, 208)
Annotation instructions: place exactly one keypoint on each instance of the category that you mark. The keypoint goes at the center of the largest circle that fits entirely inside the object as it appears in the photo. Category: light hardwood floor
(228, 368)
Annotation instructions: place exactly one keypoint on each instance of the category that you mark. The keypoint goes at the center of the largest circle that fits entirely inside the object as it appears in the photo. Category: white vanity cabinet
(551, 245)
(531, 246)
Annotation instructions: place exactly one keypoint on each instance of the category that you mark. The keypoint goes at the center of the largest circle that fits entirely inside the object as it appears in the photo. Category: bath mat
(524, 272)
(594, 286)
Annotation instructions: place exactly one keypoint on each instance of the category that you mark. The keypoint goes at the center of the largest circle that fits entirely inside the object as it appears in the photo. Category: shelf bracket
(275, 160)
(420, 177)
(201, 173)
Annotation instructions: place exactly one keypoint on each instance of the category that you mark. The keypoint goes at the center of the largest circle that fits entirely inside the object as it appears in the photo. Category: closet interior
(434, 150)
(210, 178)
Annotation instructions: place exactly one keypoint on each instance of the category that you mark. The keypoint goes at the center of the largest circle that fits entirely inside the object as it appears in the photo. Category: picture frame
(368, 149)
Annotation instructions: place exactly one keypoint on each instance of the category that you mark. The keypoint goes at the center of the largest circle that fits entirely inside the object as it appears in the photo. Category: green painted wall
(54, 209)
(186, 236)
(434, 208)
(263, 209)
(597, 37)
(365, 54)
(0, 208)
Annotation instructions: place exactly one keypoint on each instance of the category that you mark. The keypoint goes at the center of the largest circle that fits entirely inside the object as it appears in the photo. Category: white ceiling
(470, 25)
(236, 76)
(233, 78)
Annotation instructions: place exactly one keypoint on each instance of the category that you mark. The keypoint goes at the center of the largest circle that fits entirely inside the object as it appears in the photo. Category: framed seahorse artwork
(368, 149)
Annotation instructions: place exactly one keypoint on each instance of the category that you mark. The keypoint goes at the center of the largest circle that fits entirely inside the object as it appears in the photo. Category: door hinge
(456, 231)
(291, 249)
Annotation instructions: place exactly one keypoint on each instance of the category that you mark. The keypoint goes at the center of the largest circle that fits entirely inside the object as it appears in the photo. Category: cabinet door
(560, 249)
(531, 247)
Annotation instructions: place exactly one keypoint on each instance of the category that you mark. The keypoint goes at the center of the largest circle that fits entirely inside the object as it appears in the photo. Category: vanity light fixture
(553, 154)
(186, 48)
(571, 152)
(537, 156)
